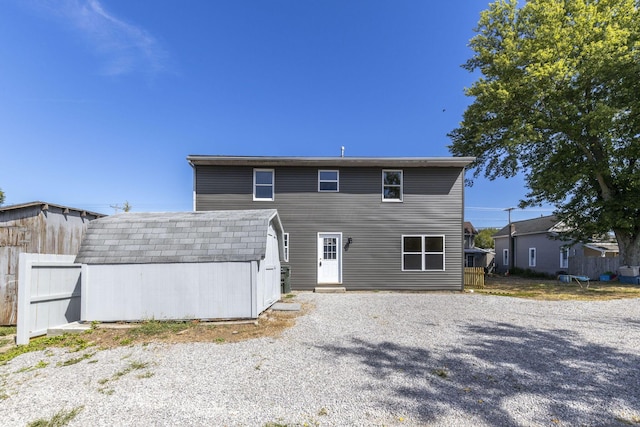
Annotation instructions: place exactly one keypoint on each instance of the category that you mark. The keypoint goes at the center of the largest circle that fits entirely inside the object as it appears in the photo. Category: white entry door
(330, 258)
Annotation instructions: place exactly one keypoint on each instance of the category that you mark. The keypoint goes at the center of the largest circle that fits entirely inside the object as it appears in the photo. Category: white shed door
(329, 257)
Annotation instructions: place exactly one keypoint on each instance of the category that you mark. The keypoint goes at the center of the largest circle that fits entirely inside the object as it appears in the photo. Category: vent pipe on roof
(342, 151)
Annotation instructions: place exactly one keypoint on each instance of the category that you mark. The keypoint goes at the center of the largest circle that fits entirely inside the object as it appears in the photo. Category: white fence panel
(48, 294)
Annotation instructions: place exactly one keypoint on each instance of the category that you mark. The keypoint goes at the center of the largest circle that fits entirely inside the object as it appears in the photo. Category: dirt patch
(545, 289)
(271, 323)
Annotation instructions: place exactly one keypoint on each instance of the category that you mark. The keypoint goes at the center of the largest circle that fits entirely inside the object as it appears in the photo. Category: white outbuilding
(186, 265)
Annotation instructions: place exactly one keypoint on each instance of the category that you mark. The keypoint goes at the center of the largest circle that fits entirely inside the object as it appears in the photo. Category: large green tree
(1, 197)
(484, 238)
(558, 100)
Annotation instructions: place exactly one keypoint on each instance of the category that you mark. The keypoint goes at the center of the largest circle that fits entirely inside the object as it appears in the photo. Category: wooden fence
(593, 267)
(474, 277)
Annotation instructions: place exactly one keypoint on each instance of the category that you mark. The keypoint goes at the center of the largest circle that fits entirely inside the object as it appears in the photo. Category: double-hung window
(286, 247)
(532, 257)
(391, 185)
(263, 184)
(328, 180)
(422, 253)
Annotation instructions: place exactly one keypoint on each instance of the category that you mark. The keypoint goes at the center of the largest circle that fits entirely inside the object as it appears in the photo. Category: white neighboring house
(186, 265)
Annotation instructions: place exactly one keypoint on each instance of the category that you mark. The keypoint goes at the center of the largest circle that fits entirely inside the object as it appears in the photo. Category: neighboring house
(475, 257)
(536, 247)
(186, 265)
(36, 227)
(360, 223)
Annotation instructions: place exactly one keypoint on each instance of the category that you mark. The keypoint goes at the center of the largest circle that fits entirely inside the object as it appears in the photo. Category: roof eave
(265, 161)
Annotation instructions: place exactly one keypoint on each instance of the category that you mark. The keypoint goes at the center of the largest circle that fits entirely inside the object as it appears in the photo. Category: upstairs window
(422, 253)
(391, 185)
(328, 181)
(263, 180)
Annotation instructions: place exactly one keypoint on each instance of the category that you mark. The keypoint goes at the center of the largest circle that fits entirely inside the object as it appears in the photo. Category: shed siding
(132, 292)
(432, 204)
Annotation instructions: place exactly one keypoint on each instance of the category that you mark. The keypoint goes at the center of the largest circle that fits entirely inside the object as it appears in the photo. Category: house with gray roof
(534, 244)
(185, 265)
(537, 246)
(353, 223)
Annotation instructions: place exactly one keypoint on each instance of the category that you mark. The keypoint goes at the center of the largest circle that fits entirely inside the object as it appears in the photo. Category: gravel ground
(361, 359)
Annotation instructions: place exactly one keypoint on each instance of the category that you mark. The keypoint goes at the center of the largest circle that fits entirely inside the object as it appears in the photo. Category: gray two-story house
(357, 222)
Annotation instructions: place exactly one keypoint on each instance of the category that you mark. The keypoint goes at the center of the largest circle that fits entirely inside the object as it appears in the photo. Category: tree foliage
(558, 100)
(484, 238)
(1, 197)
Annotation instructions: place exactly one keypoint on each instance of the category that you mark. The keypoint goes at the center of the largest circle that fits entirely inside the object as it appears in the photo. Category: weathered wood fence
(474, 277)
(593, 267)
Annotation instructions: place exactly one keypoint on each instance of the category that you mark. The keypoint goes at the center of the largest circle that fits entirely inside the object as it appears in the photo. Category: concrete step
(69, 328)
(330, 289)
(286, 306)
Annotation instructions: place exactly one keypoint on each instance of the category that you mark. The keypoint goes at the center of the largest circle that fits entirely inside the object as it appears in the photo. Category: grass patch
(7, 330)
(546, 289)
(60, 419)
(72, 341)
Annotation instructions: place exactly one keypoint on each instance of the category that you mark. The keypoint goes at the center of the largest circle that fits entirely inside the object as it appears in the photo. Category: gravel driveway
(362, 359)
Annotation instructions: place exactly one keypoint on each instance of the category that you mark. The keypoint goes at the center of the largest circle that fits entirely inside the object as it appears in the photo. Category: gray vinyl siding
(432, 204)
(547, 253)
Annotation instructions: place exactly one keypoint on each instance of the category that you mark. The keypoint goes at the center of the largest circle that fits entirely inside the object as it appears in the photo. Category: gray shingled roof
(142, 238)
(543, 224)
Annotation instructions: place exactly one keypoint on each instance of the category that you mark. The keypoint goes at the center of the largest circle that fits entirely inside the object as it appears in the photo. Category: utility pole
(511, 232)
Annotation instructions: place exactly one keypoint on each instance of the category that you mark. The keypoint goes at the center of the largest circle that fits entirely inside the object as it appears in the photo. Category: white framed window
(564, 257)
(285, 243)
(505, 257)
(532, 257)
(391, 185)
(328, 181)
(263, 184)
(423, 252)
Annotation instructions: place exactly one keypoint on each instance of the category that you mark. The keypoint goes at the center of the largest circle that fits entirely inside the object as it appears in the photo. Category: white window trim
(337, 181)
(273, 186)
(564, 260)
(532, 259)
(505, 257)
(423, 252)
(401, 186)
(285, 245)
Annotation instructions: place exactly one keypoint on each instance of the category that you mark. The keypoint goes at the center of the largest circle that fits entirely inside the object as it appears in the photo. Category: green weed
(72, 341)
(75, 360)
(7, 330)
(60, 419)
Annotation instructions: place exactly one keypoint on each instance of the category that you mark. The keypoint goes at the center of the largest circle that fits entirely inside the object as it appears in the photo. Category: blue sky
(101, 101)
